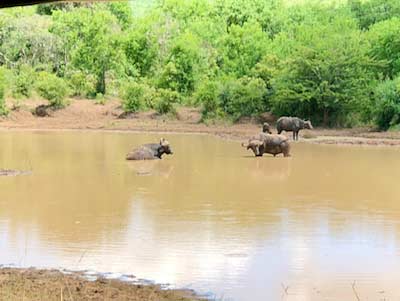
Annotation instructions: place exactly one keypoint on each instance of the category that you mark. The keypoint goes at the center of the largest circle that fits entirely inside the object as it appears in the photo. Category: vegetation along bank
(335, 63)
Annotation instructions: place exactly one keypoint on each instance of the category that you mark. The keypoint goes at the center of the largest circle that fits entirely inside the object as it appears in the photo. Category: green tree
(122, 10)
(243, 48)
(242, 97)
(384, 39)
(373, 11)
(179, 71)
(27, 41)
(387, 107)
(141, 52)
(92, 42)
(327, 75)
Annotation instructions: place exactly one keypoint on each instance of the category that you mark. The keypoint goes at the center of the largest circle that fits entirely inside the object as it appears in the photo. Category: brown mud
(35, 284)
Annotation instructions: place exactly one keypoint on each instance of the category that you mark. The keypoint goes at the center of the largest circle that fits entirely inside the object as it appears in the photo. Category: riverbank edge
(55, 284)
(85, 115)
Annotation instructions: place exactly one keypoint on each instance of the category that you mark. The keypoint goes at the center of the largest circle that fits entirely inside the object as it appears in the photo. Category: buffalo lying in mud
(292, 124)
(150, 151)
(268, 143)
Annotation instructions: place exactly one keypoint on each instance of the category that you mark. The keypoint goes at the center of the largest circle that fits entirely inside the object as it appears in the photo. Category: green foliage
(91, 41)
(81, 84)
(324, 79)
(180, 69)
(3, 108)
(133, 97)
(140, 51)
(122, 11)
(243, 97)
(47, 9)
(138, 96)
(166, 101)
(243, 48)
(207, 97)
(27, 41)
(384, 38)
(336, 62)
(100, 99)
(374, 11)
(52, 88)
(387, 109)
(23, 81)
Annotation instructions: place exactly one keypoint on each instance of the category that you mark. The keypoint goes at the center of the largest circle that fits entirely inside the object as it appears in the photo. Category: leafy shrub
(23, 82)
(387, 110)
(243, 97)
(82, 85)
(133, 97)
(3, 109)
(100, 99)
(207, 96)
(179, 73)
(166, 101)
(52, 88)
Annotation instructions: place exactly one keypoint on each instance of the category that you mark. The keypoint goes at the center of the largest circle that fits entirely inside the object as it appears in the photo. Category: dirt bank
(34, 284)
(85, 114)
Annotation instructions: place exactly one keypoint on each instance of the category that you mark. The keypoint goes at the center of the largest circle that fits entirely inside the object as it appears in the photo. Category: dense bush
(138, 96)
(324, 80)
(23, 81)
(179, 72)
(3, 108)
(52, 88)
(243, 97)
(374, 11)
(311, 59)
(166, 101)
(133, 97)
(81, 84)
(207, 97)
(387, 110)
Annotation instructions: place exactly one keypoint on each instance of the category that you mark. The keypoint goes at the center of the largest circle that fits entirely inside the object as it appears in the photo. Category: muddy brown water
(211, 217)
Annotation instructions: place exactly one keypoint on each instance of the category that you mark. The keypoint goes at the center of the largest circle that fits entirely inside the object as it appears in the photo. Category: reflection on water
(210, 217)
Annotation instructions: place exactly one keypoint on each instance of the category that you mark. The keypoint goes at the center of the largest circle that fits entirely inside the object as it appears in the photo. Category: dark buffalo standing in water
(292, 124)
(150, 151)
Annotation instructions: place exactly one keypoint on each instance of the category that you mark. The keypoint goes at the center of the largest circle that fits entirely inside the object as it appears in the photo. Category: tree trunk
(101, 83)
(326, 117)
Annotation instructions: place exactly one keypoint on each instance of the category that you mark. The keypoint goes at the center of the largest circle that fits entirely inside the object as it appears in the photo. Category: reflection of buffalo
(292, 124)
(150, 151)
(268, 143)
(151, 168)
(268, 170)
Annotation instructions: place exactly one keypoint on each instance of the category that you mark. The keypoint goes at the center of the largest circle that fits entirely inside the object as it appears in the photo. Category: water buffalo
(268, 143)
(266, 128)
(292, 124)
(150, 151)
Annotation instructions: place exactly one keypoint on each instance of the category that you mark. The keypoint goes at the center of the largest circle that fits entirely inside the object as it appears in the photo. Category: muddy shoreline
(83, 114)
(52, 284)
